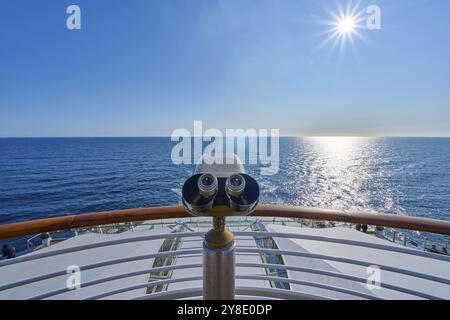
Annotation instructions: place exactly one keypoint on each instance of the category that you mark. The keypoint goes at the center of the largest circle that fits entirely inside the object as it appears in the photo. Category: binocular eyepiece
(235, 185)
(208, 185)
(220, 189)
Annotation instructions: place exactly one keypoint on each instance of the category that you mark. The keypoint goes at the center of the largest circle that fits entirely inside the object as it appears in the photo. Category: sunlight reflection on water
(351, 173)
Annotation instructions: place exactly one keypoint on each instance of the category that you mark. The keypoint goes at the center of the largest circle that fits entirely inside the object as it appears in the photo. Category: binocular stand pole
(219, 262)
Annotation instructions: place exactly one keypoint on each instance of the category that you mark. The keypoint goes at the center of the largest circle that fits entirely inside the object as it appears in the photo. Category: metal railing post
(219, 262)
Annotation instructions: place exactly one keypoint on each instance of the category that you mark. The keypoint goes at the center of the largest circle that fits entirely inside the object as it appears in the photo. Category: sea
(48, 177)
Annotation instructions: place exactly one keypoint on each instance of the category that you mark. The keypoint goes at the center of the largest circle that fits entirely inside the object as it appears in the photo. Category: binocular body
(220, 190)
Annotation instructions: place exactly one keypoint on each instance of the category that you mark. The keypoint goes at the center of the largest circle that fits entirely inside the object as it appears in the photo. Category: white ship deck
(320, 263)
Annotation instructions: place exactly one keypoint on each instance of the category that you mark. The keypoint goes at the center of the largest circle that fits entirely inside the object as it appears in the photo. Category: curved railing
(244, 292)
(174, 212)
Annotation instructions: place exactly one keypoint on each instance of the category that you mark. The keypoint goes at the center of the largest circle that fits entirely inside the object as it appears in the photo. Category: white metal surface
(320, 263)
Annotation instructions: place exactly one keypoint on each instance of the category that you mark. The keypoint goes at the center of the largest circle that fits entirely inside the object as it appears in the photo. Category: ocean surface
(46, 177)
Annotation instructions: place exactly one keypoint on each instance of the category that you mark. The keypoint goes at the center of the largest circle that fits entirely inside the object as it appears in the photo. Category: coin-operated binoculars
(217, 191)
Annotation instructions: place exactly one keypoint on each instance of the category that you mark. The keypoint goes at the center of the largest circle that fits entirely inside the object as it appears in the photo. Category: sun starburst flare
(344, 26)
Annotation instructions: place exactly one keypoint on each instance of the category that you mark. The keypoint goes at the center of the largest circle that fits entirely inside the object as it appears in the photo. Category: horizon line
(168, 136)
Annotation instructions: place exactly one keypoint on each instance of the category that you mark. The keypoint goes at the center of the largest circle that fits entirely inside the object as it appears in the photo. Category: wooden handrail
(356, 217)
(175, 212)
(90, 220)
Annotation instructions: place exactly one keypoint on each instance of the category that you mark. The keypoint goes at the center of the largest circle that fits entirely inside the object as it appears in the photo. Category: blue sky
(147, 67)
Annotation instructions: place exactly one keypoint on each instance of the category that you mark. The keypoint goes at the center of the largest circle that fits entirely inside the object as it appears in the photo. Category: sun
(346, 25)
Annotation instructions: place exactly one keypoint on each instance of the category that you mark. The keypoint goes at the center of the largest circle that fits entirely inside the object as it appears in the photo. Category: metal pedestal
(219, 262)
